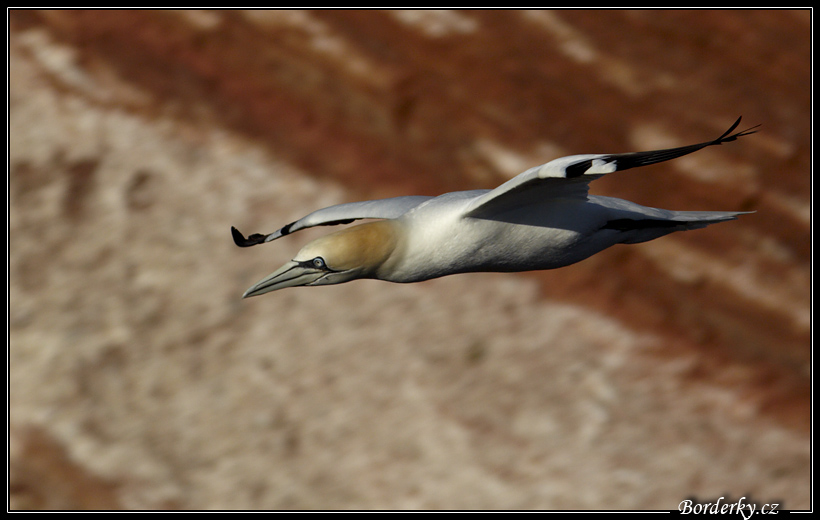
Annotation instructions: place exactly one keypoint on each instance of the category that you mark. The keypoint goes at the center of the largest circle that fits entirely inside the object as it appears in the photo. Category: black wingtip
(730, 130)
(240, 240)
(725, 138)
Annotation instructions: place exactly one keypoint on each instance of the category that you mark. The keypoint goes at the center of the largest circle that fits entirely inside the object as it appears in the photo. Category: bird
(543, 218)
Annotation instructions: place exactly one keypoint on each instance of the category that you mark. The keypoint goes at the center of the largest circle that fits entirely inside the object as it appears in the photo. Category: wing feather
(569, 177)
(334, 215)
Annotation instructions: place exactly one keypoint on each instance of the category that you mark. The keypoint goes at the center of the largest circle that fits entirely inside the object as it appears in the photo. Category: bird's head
(352, 253)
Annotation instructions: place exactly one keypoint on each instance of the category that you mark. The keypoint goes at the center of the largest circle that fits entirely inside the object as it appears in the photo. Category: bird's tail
(642, 230)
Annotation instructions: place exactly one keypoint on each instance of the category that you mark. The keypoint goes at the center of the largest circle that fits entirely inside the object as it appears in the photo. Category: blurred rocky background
(643, 376)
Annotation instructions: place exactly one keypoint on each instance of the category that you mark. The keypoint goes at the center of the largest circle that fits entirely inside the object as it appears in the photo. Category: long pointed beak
(291, 274)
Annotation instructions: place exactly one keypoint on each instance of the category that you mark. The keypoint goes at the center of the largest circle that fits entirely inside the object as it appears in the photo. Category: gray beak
(292, 274)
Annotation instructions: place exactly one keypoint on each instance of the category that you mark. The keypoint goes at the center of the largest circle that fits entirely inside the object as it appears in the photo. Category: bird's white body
(542, 219)
(438, 240)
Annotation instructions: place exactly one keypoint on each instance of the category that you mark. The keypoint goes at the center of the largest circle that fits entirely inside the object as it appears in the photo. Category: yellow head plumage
(358, 250)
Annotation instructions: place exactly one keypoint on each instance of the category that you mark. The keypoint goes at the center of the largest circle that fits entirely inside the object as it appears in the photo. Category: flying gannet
(543, 218)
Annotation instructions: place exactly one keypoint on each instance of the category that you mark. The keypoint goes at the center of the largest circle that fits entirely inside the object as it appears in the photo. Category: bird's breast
(478, 245)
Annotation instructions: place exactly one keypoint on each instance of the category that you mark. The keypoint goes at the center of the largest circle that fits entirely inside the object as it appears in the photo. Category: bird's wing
(569, 177)
(339, 214)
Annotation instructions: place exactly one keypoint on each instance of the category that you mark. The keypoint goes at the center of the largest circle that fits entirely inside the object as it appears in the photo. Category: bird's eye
(319, 262)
